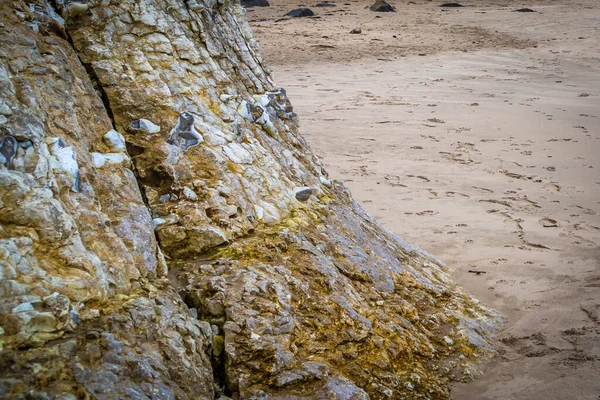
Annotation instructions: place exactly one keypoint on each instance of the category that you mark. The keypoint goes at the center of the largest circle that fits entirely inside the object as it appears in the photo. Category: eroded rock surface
(166, 233)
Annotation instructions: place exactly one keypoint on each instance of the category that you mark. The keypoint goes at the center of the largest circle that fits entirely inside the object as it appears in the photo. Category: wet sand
(475, 134)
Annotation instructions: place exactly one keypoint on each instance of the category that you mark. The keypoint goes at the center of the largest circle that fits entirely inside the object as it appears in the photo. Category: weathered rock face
(132, 129)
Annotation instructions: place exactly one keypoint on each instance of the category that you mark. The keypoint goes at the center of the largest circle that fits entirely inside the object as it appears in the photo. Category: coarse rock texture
(132, 129)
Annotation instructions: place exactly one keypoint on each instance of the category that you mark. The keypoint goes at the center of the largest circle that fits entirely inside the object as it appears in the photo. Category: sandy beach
(473, 132)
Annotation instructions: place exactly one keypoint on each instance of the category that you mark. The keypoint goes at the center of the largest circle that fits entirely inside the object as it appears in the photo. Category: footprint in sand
(553, 187)
(427, 212)
(482, 189)
(586, 211)
(454, 194)
(426, 179)
(548, 223)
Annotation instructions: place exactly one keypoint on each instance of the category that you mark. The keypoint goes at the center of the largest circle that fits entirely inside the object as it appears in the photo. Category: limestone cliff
(166, 233)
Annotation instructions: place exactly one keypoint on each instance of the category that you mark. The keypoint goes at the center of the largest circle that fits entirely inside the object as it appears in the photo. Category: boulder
(255, 3)
(382, 6)
(300, 12)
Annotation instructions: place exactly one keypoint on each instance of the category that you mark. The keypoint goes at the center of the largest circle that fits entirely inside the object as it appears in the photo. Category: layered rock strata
(167, 233)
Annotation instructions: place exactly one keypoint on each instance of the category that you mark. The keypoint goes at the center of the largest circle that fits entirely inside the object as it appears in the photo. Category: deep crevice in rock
(217, 348)
(95, 81)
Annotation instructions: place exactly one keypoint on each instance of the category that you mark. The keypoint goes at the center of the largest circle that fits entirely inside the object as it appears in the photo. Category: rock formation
(166, 233)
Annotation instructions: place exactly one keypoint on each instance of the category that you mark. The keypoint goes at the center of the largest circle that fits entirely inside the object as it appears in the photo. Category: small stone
(156, 222)
(303, 193)
(98, 160)
(300, 12)
(259, 211)
(8, 149)
(356, 31)
(451, 5)
(22, 308)
(115, 141)
(65, 160)
(382, 6)
(193, 5)
(326, 182)
(25, 145)
(255, 3)
(448, 341)
(74, 8)
(59, 303)
(164, 198)
(144, 126)
(75, 317)
(185, 130)
(189, 194)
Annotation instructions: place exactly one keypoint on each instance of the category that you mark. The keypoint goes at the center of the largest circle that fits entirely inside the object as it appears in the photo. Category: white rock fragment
(64, 160)
(115, 141)
(170, 219)
(184, 134)
(144, 126)
(244, 112)
(75, 8)
(117, 158)
(259, 211)
(156, 222)
(189, 194)
(22, 308)
(448, 341)
(99, 159)
(194, 6)
(263, 100)
(326, 181)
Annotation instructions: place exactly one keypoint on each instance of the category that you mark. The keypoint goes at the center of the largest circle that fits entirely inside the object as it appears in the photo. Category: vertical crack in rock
(96, 83)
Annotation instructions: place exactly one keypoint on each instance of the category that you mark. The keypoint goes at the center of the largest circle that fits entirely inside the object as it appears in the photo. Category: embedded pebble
(303, 193)
(144, 126)
(185, 130)
(115, 141)
(8, 149)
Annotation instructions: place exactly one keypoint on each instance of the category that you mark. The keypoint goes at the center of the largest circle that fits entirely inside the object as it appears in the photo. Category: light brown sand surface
(475, 134)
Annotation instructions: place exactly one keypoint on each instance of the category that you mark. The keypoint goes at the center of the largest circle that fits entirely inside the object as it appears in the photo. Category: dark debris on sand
(382, 6)
(300, 12)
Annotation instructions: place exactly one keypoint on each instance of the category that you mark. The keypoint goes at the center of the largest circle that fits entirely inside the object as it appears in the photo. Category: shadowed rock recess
(167, 233)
